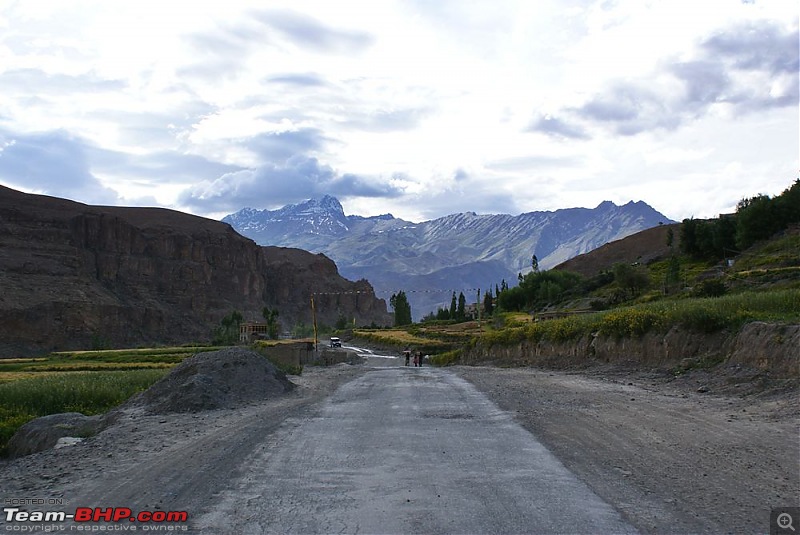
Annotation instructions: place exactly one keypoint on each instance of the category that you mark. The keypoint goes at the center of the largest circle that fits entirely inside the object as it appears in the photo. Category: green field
(90, 382)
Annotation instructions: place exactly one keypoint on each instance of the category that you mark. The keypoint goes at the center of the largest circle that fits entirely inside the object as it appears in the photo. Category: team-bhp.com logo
(96, 515)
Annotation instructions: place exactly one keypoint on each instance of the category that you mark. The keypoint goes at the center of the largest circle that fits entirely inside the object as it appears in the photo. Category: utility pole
(478, 305)
(314, 321)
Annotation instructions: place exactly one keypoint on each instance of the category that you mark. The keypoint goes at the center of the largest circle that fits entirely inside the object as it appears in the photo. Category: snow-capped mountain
(431, 259)
(314, 217)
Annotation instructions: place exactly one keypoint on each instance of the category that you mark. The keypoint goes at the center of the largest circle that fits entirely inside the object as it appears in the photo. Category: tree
(402, 309)
(453, 307)
(227, 333)
(788, 204)
(632, 279)
(672, 277)
(538, 289)
(301, 330)
(488, 305)
(341, 322)
(535, 264)
(273, 327)
(756, 219)
(461, 312)
(708, 239)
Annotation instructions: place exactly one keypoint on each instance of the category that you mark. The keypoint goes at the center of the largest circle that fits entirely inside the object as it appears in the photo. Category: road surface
(407, 450)
(382, 448)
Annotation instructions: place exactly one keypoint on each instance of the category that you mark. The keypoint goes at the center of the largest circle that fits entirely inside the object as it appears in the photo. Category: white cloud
(532, 105)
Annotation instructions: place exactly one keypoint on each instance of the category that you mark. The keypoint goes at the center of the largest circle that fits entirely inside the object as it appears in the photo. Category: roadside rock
(221, 379)
(45, 432)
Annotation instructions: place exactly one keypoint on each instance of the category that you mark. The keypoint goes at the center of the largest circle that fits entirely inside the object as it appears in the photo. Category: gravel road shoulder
(172, 462)
(671, 459)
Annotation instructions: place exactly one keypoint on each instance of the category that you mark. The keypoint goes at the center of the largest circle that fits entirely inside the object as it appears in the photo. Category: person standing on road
(407, 354)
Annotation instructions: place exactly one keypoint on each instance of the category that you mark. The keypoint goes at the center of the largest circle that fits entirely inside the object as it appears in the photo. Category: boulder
(45, 432)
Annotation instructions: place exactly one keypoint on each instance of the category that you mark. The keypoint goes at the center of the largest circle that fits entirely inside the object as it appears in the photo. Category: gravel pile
(221, 379)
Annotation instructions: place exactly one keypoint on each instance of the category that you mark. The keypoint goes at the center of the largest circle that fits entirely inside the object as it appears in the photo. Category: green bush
(630, 322)
(711, 288)
(445, 359)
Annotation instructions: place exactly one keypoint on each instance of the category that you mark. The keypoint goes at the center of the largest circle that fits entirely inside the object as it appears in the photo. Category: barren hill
(644, 246)
(74, 276)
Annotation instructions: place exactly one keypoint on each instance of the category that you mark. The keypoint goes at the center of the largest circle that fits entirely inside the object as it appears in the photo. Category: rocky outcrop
(46, 432)
(77, 276)
(773, 348)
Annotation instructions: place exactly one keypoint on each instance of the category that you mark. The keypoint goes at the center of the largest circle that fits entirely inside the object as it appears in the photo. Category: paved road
(408, 450)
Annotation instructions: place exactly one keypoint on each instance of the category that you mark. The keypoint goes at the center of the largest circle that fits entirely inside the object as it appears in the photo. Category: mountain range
(458, 252)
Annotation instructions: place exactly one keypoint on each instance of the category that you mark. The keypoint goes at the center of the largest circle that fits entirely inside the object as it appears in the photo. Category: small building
(249, 331)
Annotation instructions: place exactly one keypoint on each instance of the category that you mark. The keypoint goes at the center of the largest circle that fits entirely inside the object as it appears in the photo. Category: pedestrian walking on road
(407, 354)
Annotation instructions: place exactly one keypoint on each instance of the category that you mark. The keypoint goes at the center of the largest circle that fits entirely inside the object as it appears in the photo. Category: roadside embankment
(770, 347)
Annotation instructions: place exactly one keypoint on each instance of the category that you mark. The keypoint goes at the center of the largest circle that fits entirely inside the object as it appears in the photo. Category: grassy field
(90, 382)
(428, 338)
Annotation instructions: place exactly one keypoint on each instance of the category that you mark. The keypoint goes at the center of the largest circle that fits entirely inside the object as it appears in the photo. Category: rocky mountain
(74, 275)
(458, 252)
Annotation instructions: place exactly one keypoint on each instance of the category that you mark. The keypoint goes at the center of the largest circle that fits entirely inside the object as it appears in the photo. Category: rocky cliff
(76, 276)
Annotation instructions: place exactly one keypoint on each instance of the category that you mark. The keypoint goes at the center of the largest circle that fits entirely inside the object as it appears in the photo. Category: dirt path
(672, 460)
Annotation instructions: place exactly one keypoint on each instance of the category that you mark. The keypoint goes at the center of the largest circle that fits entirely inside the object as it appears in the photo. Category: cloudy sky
(419, 108)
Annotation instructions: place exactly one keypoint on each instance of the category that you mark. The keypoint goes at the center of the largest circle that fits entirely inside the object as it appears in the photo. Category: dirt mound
(215, 380)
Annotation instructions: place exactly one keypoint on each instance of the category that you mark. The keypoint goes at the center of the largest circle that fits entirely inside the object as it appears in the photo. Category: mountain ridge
(395, 254)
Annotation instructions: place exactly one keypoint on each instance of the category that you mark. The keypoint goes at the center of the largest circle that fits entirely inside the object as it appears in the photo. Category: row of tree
(756, 218)
(456, 312)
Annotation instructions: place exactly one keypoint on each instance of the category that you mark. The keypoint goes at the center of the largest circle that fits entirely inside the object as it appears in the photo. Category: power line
(396, 291)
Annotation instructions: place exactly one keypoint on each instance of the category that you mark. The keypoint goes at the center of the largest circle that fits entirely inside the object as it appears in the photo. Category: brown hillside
(644, 247)
(74, 276)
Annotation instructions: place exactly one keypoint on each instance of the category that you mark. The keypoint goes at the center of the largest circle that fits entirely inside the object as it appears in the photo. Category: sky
(416, 108)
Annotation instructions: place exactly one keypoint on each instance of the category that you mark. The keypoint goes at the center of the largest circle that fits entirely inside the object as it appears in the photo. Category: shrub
(630, 322)
(711, 288)
(704, 319)
(445, 359)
